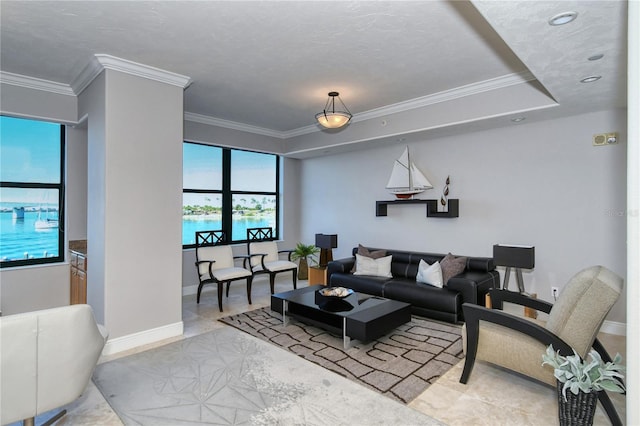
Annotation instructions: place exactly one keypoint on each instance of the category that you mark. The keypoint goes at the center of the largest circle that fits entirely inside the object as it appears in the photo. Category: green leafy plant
(306, 252)
(586, 376)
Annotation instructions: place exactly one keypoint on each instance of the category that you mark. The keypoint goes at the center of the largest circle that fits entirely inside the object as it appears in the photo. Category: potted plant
(304, 253)
(583, 379)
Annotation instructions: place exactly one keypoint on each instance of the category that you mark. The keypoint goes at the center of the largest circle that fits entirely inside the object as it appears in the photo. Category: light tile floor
(492, 396)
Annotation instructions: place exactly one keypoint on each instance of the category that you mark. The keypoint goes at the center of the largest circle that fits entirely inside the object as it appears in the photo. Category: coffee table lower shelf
(368, 318)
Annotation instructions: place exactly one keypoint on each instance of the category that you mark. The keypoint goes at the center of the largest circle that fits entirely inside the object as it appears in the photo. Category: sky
(202, 168)
(29, 152)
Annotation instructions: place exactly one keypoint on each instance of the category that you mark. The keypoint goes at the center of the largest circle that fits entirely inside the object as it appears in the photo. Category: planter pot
(577, 410)
(303, 269)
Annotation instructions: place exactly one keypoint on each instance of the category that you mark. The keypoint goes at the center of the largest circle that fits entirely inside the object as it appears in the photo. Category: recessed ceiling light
(591, 79)
(563, 18)
(518, 119)
(596, 57)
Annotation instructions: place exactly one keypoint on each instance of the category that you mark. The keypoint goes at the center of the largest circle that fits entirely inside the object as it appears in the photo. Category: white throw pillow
(430, 274)
(377, 267)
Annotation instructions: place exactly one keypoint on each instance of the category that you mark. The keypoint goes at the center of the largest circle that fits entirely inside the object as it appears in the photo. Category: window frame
(227, 194)
(60, 186)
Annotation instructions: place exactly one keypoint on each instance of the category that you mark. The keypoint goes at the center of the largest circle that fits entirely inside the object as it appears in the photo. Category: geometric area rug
(400, 365)
(227, 377)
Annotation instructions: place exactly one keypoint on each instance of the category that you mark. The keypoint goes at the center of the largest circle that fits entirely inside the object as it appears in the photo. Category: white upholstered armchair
(47, 358)
(265, 256)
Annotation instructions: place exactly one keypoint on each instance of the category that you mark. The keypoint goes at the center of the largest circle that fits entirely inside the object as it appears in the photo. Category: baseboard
(134, 340)
(613, 327)
(189, 290)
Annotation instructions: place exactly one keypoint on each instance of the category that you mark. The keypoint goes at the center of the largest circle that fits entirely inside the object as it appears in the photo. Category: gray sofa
(445, 304)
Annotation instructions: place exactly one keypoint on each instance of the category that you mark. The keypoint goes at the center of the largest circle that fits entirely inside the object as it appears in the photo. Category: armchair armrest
(289, 251)
(340, 265)
(498, 297)
(210, 262)
(261, 255)
(244, 258)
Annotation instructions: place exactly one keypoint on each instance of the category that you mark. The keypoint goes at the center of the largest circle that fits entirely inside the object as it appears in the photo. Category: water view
(31, 232)
(28, 232)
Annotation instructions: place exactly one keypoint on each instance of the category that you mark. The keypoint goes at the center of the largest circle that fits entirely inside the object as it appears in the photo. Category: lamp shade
(333, 120)
(514, 256)
(327, 241)
(329, 117)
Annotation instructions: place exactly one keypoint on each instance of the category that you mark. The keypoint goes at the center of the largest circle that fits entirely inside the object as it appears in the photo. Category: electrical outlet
(555, 291)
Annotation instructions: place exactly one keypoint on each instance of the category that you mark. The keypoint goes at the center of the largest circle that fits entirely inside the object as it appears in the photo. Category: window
(31, 192)
(228, 189)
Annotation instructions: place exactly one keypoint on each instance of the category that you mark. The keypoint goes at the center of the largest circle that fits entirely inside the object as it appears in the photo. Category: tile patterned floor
(492, 396)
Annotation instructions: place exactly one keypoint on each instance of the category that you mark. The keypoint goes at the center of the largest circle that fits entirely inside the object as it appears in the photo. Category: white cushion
(230, 273)
(270, 248)
(278, 265)
(376, 267)
(430, 274)
(222, 255)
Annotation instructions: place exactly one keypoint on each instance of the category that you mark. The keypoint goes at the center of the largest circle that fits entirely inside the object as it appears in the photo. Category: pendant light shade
(329, 117)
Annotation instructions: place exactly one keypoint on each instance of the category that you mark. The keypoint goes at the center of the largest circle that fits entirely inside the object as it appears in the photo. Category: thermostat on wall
(602, 139)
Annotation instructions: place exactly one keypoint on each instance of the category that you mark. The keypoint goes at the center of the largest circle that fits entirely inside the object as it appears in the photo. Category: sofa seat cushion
(359, 283)
(433, 298)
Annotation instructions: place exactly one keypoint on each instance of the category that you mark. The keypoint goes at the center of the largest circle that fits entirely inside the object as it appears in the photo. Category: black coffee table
(358, 316)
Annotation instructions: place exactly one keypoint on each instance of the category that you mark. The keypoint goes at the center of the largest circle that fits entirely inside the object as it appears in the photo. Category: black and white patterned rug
(400, 365)
(226, 377)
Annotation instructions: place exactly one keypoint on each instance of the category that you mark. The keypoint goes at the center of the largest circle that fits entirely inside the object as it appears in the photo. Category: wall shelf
(432, 207)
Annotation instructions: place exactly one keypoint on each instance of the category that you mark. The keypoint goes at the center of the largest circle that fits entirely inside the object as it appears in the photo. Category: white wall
(76, 184)
(541, 183)
(134, 202)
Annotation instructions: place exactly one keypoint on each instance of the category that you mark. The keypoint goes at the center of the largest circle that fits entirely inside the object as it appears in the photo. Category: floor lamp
(326, 242)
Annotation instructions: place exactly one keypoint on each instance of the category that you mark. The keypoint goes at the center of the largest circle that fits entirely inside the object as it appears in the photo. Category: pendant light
(329, 117)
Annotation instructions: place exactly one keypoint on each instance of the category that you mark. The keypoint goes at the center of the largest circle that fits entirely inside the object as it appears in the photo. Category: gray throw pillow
(452, 266)
(373, 254)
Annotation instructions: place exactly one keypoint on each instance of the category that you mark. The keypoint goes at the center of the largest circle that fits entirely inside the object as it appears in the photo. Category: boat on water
(18, 213)
(44, 221)
(406, 179)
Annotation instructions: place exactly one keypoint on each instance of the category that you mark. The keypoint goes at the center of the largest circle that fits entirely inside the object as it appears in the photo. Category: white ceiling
(270, 64)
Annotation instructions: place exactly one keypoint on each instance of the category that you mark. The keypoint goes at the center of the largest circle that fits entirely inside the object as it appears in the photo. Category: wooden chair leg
(272, 282)
(472, 330)
(199, 291)
(295, 278)
(249, 280)
(228, 285)
(220, 286)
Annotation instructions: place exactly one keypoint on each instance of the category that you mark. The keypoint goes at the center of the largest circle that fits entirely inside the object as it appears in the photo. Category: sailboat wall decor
(406, 179)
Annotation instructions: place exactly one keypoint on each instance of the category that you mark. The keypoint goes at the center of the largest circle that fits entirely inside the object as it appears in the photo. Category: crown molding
(447, 95)
(233, 125)
(436, 98)
(35, 83)
(101, 61)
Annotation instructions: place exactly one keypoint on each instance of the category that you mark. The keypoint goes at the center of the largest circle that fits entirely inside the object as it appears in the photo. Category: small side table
(317, 275)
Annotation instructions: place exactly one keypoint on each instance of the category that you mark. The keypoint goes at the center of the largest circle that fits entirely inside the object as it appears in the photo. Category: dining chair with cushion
(518, 343)
(216, 264)
(265, 256)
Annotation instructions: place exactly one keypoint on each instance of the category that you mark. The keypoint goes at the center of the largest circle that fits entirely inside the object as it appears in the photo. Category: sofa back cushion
(405, 264)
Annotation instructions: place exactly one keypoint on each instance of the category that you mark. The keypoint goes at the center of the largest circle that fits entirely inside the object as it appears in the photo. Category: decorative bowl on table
(335, 292)
(333, 299)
